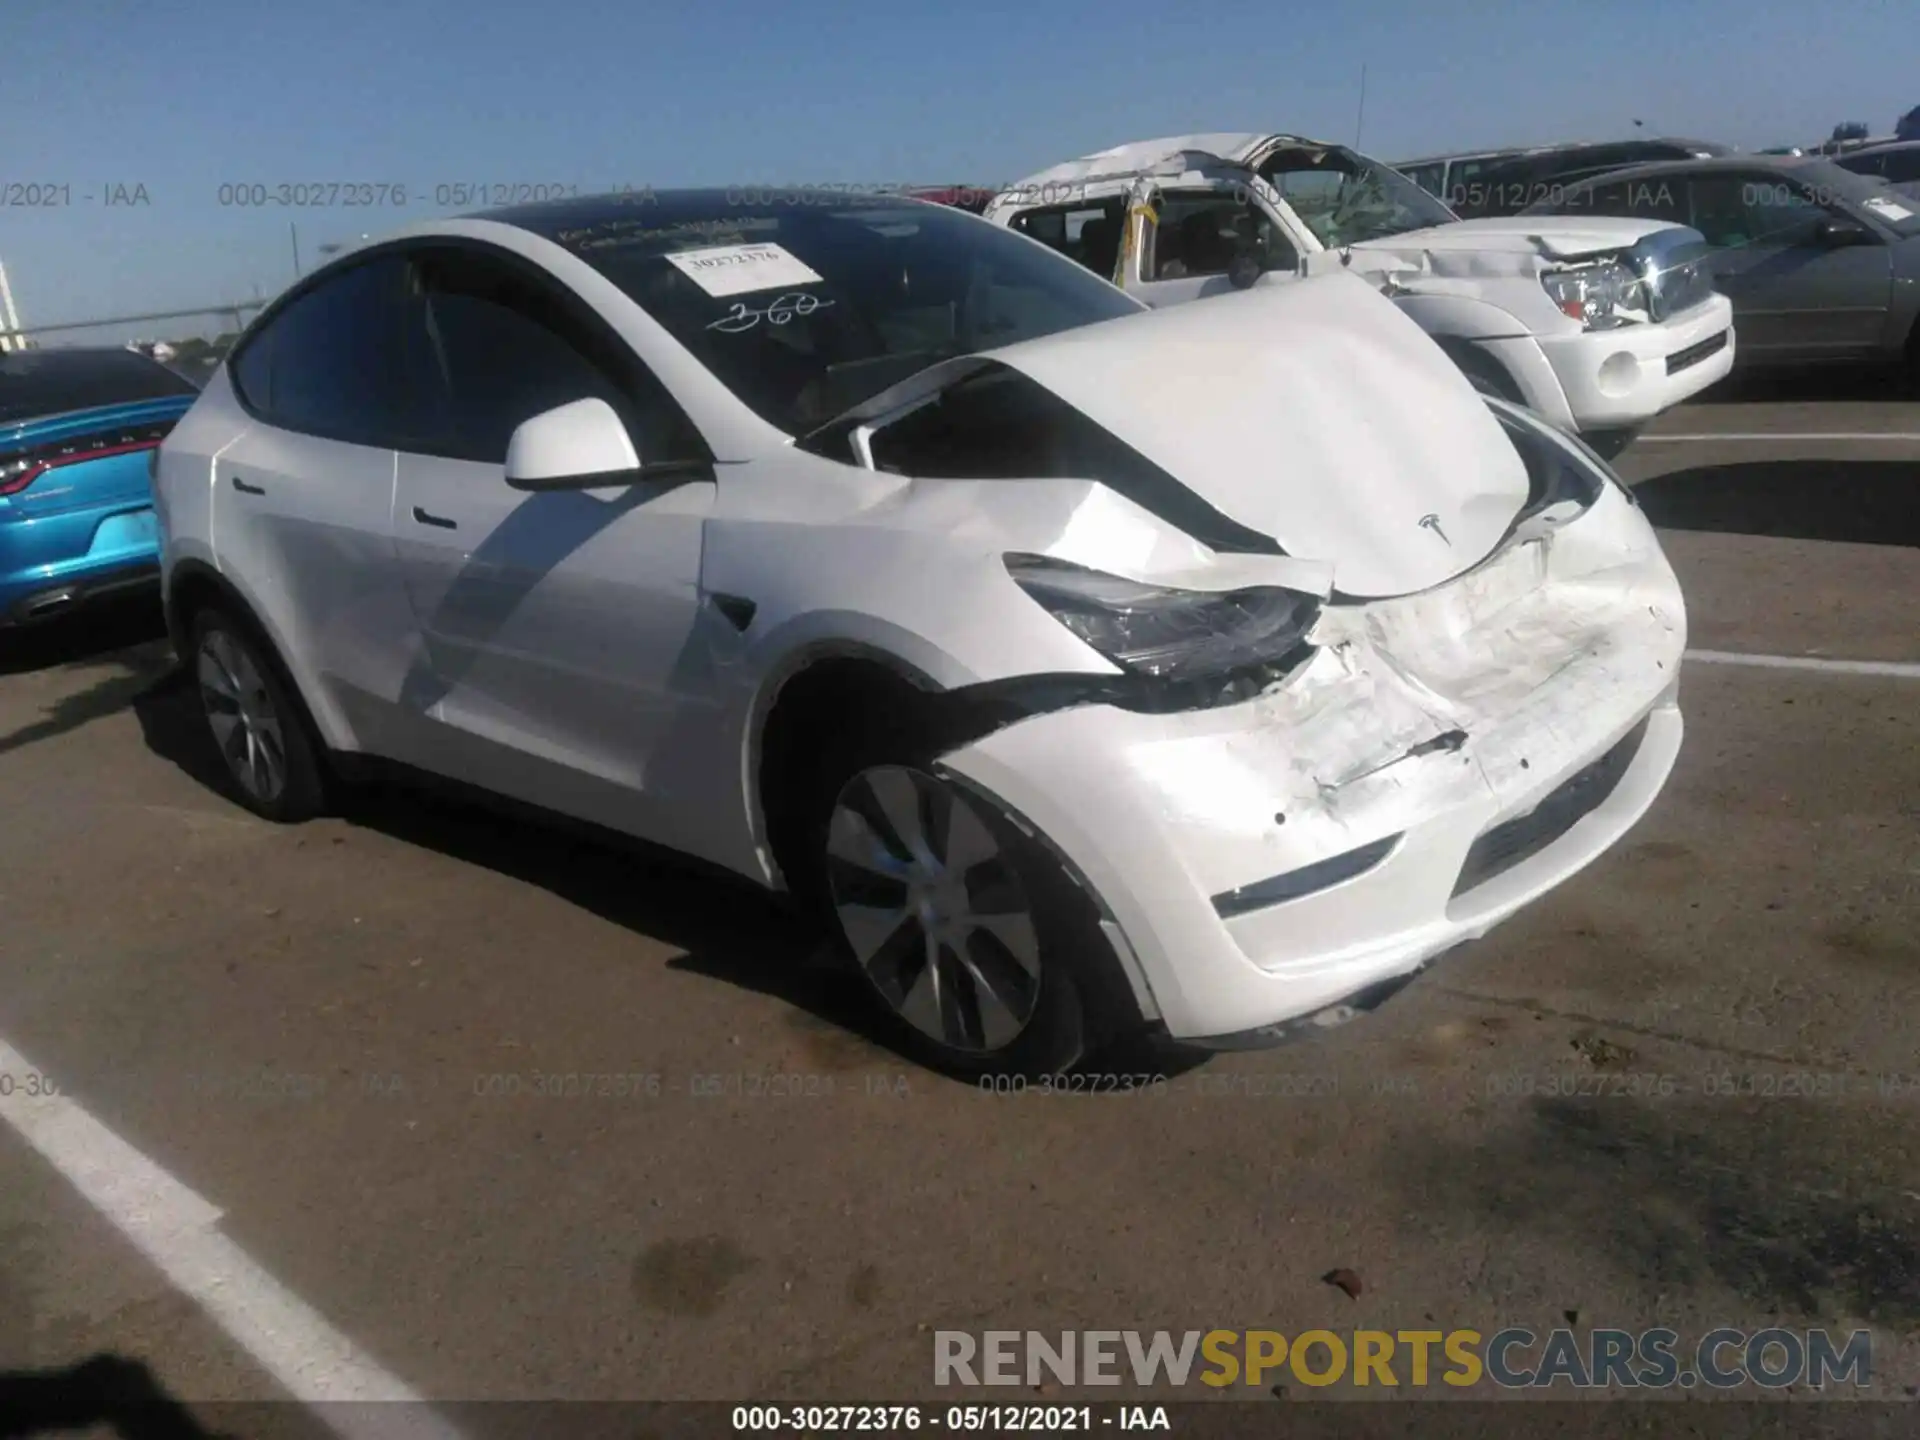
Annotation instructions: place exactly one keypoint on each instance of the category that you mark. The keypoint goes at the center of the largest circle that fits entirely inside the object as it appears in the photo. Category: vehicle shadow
(106, 629)
(1860, 502)
(105, 1390)
(121, 653)
(727, 928)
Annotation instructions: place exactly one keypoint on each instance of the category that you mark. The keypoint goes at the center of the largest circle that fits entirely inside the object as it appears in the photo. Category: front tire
(983, 953)
(258, 725)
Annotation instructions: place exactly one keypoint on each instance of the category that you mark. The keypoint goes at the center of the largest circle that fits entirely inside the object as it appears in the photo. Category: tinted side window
(1199, 231)
(330, 365)
(1430, 178)
(1778, 213)
(1719, 210)
(1901, 165)
(1089, 234)
(490, 345)
(1660, 198)
(251, 371)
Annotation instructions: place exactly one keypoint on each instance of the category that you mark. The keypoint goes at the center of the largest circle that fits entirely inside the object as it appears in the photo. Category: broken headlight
(1600, 297)
(1168, 634)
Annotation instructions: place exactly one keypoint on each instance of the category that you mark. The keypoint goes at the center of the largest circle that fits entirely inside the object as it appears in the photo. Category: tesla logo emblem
(1432, 522)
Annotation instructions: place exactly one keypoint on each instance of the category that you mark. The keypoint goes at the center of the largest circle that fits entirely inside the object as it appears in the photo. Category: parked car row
(1821, 263)
(1094, 662)
(1094, 668)
(1505, 182)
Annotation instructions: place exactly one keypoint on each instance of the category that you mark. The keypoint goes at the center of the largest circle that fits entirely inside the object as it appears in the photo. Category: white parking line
(1782, 436)
(1902, 669)
(176, 1229)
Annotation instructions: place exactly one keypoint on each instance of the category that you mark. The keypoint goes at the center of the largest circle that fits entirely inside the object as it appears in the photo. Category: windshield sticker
(740, 318)
(1888, 209)
(723, 270)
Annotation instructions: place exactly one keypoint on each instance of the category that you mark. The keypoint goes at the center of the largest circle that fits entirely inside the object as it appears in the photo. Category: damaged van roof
(1230, 147)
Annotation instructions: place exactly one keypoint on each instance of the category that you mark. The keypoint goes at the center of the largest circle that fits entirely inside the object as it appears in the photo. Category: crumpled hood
(1551, 235)
(1313, 412)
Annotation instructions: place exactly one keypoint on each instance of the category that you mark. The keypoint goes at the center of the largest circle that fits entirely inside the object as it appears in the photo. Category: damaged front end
(1414, 769)
(1602, 274)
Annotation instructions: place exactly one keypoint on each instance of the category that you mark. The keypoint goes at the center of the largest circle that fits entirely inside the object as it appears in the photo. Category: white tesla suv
(1094, 669)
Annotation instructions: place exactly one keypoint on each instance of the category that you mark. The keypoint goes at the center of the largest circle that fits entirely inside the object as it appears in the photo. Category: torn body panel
(1544, 657)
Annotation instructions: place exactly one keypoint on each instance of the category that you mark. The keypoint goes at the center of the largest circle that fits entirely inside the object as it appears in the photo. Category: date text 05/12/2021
(954, 1419)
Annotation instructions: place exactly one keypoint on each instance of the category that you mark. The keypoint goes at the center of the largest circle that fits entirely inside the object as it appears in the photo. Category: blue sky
(182, 98)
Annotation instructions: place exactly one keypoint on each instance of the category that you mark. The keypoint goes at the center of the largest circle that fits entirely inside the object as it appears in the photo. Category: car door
(1189, 242)
(302, 500)
(558, 629)
(1795, 297)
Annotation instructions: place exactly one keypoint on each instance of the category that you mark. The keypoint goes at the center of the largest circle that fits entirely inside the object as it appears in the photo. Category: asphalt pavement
(302, 1062)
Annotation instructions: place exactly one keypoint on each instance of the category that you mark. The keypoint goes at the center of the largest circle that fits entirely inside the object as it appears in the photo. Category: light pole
(9, 318)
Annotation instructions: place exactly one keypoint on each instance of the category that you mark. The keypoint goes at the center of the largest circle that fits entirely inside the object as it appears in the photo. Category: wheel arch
(814, 678)
(193, 584)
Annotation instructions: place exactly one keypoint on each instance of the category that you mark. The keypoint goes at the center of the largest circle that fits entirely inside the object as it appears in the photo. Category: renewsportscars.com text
(1513, 1358)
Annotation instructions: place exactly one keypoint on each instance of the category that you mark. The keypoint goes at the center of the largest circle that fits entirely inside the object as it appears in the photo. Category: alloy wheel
(246, 724)
(933, 908)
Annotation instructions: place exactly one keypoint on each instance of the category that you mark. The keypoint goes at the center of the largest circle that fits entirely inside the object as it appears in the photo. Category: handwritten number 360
(782, 310)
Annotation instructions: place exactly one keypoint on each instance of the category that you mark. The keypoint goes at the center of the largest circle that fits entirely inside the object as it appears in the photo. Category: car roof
(1229, 146)
(666, 209)
(42, 382)
(1881, 147)
(1784, 164)
(1498, 153)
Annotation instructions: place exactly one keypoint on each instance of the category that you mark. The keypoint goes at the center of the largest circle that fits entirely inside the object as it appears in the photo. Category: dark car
(1821, 264)
(1511, 185)
(1898, 162)
(77, 429)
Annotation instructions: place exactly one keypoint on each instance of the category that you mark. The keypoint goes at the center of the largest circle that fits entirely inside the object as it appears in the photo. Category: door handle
(245, 489)
(440, 520)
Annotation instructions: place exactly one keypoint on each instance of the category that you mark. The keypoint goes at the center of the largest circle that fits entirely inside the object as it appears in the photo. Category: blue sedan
(77, 431)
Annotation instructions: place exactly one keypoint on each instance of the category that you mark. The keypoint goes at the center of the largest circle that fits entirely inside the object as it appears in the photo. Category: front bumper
(1546, 657)
(1618, 379)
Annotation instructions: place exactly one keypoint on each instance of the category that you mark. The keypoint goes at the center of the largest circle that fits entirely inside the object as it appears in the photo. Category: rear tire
(984, 955)
(266, 741)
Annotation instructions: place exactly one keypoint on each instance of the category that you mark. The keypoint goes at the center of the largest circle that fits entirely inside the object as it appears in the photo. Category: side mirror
(1245, 269)
(1840, 231)
(578, 446)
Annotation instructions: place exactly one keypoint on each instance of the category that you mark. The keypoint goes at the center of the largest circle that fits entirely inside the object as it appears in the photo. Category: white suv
(1598, 324)
(1087, 668)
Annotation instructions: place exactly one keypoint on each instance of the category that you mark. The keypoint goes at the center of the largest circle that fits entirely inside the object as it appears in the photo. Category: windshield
(1345, 198)
(804, 311)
